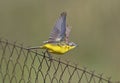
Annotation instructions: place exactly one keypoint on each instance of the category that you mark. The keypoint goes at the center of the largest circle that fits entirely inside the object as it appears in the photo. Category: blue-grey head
(72, 44)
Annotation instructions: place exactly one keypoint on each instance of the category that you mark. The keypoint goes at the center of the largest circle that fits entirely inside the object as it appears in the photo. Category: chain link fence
(20, 65)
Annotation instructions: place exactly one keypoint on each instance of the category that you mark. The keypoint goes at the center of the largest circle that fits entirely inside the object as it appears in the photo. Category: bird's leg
(49, 55)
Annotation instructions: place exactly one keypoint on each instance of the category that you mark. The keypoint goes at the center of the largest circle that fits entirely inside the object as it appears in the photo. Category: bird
(58, 42)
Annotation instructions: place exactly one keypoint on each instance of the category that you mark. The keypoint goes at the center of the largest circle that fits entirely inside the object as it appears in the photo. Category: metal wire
(20, 65)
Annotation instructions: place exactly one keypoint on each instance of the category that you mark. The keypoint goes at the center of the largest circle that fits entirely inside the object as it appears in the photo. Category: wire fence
(20, 65)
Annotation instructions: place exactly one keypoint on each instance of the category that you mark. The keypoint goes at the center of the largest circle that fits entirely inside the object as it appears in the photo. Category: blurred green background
(95, 28)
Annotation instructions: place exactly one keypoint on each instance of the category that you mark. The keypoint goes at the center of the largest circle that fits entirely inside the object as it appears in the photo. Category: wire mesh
(20, 65)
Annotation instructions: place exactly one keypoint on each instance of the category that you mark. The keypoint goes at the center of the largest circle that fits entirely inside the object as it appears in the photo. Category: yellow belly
(57, 48)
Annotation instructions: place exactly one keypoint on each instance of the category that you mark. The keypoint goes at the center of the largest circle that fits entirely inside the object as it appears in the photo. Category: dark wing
(59, 31)
(68, 30)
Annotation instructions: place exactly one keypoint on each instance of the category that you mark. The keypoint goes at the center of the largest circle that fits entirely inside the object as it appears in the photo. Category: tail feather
(37, 47)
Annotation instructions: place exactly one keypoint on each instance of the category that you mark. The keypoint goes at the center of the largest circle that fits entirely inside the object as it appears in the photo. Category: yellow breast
(57, 48)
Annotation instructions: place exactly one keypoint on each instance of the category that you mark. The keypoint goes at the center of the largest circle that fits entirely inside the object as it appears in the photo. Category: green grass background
(95, 28)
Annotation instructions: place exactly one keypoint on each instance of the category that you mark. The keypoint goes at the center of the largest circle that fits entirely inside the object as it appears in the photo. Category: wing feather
(59, 31)
(68, 30)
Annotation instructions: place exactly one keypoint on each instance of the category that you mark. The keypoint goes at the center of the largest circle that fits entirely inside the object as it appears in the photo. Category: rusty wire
(20, 65)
